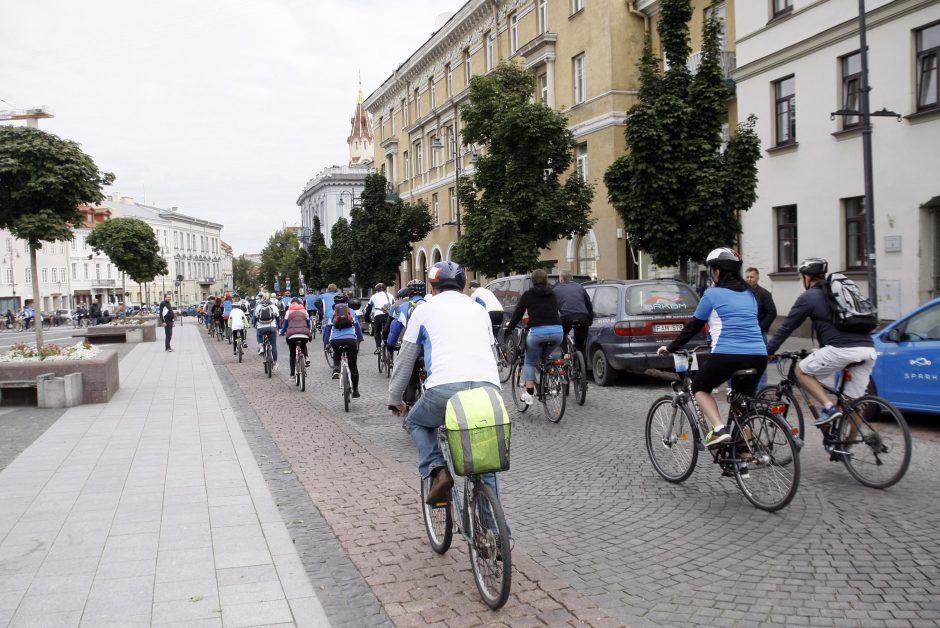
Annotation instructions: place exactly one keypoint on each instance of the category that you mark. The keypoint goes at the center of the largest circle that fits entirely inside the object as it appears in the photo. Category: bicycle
(239, 342)
(867, 452)
(389, 359)
(480, 520)
(575, 365)
(267, 356)
(345, 380)
(761, 455)
(300, 367)
(382, 358)
(328, 354)
(506, 355)
(551, 388)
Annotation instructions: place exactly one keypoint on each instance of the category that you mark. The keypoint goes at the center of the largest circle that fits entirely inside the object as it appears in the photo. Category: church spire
(360, 135)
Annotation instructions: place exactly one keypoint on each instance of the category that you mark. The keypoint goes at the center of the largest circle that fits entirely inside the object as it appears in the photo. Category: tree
(43, 181)
(132, 247)
(311, 259)
(244, 276)
(279, 257)
(679, 195)
(337, 266)
(381, 232)
(515, 204)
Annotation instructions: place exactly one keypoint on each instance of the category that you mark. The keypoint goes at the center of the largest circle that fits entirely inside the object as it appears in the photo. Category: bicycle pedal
(700, 445)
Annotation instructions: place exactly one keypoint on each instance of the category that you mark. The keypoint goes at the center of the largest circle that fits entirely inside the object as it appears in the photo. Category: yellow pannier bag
(478, 429)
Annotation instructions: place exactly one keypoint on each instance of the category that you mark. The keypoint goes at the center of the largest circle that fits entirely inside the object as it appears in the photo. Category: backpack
(342, 317)
(851, 310)
(265, 314)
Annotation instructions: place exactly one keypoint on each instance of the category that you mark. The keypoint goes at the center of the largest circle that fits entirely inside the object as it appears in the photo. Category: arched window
(587, 255)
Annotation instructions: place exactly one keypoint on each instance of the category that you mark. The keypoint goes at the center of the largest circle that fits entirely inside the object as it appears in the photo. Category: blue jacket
(310, 301)
(327, 298)
(401, 317)
(573, 299)
(348, 333)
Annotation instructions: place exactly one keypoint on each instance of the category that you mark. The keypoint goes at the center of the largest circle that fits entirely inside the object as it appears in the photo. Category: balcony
(103, 283)
(205, 281)
(728, 63)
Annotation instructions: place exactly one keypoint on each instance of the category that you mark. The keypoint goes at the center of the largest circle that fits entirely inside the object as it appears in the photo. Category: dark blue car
(907, 371)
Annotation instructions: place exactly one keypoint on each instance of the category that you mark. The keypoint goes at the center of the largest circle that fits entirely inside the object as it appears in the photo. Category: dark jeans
(580, 332)
(168, 328)
(496, 320)
(292, 346)
(351, 347)
(378, 324)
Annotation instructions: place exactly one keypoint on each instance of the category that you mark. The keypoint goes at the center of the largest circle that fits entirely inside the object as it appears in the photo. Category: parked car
(907, 371)
(509, 289)
(632, 319)
(189, 310)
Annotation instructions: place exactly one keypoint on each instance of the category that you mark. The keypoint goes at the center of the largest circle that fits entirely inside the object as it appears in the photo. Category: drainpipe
(631, 5)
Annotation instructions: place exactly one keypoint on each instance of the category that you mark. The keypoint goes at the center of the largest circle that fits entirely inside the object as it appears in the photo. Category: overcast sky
(224, 108)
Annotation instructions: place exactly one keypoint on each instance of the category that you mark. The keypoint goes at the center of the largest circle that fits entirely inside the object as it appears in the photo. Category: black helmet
(416, 286)
(340, 298)
(380, 287)
(813, 266)
(355, 303)
(724, 259)
(447, 276)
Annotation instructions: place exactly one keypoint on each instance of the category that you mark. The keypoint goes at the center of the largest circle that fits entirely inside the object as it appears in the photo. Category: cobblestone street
(600, 538)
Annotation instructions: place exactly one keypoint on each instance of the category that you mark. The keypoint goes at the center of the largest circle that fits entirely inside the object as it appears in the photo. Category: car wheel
(604, 373)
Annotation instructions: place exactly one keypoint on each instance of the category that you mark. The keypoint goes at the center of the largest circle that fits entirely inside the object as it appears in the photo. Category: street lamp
(472, 151)
(352, 200)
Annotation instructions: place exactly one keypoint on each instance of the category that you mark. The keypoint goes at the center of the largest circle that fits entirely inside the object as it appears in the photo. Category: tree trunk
(37, 311)
(684, 269)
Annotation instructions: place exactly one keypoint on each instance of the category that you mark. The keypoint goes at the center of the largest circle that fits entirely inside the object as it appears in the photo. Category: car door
(910, 373)
(606, 303)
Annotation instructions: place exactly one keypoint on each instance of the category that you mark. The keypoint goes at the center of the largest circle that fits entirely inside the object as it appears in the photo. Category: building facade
(803, 55)
(16, 277)
(584, 56)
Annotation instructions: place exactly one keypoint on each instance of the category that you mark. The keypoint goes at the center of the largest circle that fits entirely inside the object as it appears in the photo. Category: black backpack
(342, 317)
(266, 314)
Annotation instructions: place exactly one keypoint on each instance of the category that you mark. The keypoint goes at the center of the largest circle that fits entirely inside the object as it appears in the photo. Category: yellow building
(584, 55)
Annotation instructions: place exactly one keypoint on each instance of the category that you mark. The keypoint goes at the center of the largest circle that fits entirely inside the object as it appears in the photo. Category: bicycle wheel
(328, 354)
(762, 478)
(347, 386)
(518, 387)
(241, 352)
(794, 413)
(554, 393)
(875, 456)
(670, 440)
(302, 372)
(490, 552)
(390, 361)
(380, 357)
(504, 361)
(298, 364)
(437, 521)
(269, 361)
(579, 378)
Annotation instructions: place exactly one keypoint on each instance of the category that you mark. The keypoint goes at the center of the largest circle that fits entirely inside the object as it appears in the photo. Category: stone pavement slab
(148, 510)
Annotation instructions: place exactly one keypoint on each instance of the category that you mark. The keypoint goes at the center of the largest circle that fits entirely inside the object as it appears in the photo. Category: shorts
(718, 368)
(828, 360)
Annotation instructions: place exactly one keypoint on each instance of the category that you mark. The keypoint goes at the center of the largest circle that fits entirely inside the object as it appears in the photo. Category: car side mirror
(894, 335)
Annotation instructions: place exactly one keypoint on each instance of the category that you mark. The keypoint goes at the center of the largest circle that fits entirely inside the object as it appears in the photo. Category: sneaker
(440, 486)
(376, 352)
(306, 362)
(234, 352)
(714, 437)
(292, 374)
(526, 398)
(170, 350)
(244, 345)
(275, 366)
(827, 415)
(260, 350)
(356, 394)
(335, 374)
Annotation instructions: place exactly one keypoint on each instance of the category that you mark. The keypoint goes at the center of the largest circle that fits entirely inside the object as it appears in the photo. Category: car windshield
(660, 299)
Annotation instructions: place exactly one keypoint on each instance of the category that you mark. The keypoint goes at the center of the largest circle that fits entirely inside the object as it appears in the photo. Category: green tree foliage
(43, 181)
(382, 232)
(131, 245)
(244, 276)
(337, 262)
(280, 255)
(679, 195)
(311, 257)
(516, 204)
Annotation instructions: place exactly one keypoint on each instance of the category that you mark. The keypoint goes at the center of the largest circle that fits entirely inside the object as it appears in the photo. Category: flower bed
(25, 352)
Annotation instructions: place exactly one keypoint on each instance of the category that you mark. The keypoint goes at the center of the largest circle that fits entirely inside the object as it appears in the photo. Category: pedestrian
(167, 315)
(95, 313)
(766, 310)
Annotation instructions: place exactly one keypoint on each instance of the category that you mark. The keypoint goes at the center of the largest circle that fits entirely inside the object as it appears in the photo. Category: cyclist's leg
(823, 362)
(352, 354)
(717, 369)
(259, 338)
(857, 383)
(532, 353)
(292, 349)
(303, 347)
(424, 419)
(272, 337)
(496, 321)
(338, 349)
(580, 335)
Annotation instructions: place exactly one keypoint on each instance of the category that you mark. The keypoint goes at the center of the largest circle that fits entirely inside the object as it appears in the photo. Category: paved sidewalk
(148, 510)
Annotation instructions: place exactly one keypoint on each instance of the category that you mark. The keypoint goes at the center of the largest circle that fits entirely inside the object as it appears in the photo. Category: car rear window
(660, 299)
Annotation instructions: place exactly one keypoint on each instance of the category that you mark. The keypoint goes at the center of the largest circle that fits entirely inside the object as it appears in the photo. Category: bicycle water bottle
(681, 362)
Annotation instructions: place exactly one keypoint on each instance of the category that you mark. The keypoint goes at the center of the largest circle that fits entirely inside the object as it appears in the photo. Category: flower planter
(100, 374)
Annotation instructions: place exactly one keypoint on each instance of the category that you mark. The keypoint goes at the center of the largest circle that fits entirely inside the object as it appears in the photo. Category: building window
(490, 51)
(781, 7)
(86, 270)
(582, 163)
(29, 275)
(786, 237)
(417, 104)
(109, 271)
(851, 88)
(55, 275)
(928, 62)
(577, 5)
(419, 159)
(450, 80)
(579, 79)
(543, 16)
(856, 232)
(543, 88)
(404, 113)
(435, 209)
(10, 275)
(587, 255)
(435, 153)
(431, 91)
(513, 33)
(468, 66)
(407, 166)
(453, 204)
(74, 270)
(785, 110)
(45, 275)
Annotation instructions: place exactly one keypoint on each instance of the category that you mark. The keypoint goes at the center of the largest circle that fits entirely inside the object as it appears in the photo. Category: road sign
(177, 284)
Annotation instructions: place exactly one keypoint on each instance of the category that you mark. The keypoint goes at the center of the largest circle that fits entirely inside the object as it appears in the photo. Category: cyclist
(545, 330)
(575, 307)
(343, 332)
(377, 312)
(227, 306)
(457, 337)
(217, 314)
(488, 300)
(416, 296)
(730, 309)
(326, 302)
(266, 325)
(310, 301)
(837, 349)
(238, 322)
(297, 330)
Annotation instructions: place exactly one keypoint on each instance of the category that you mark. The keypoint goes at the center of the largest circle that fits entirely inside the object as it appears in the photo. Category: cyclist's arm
(517, 314)
(358, 329)
(284, 327)
(688, 332)
(800, 311)
(401, 374)
(327, 329)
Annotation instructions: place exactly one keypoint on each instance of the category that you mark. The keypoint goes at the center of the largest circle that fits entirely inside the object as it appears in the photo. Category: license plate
(664, 329)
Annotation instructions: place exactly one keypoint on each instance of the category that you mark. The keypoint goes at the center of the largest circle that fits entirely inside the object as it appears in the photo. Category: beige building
(584, 55)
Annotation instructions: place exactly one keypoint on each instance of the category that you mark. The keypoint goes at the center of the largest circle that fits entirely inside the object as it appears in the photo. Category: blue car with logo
(907, 371)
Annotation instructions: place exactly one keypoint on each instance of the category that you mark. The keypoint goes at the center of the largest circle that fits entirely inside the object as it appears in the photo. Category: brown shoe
(440, 487)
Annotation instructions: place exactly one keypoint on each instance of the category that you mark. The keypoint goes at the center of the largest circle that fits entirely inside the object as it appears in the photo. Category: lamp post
(352, 200)
(458, 160)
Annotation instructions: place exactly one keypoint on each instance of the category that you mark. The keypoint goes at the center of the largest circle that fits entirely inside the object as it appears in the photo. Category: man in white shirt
(237, 322)
(266, 317)
(488, 300)
(377, 312)
(457, 339)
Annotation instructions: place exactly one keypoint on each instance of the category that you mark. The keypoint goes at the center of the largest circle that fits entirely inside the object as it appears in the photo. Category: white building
(16, 280)
(802, 56)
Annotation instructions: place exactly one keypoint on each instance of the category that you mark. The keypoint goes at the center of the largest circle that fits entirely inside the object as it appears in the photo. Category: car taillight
(633, 328)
